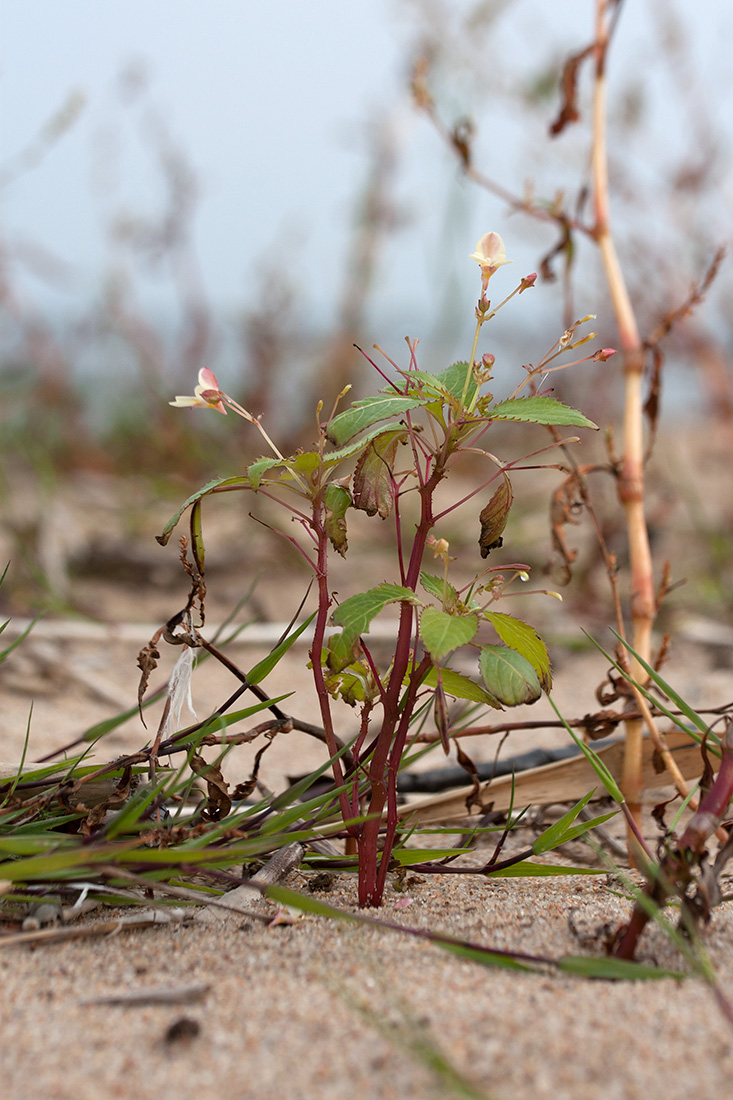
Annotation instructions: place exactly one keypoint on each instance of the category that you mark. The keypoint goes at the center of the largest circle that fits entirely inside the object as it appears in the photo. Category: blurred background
(255, 189)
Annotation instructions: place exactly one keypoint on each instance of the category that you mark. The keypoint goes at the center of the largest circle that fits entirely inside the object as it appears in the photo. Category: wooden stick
(564, 781)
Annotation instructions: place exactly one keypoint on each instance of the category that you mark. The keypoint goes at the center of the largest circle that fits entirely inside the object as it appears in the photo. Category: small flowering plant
(375, 457)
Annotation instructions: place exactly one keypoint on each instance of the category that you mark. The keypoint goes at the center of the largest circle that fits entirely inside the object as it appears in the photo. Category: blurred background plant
(258, 208)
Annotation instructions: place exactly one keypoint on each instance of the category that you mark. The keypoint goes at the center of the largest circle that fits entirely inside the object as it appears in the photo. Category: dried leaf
(147, 662)
(218, 802)
(373, 483)
(494, 516)
(461, 138)
(473, 798)
(564, 508)
(569, 111)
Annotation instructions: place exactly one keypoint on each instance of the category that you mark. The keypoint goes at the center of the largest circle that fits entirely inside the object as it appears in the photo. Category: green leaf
(662, 684)
(363, 414)
(427, 384)
(355, 614)
(306, 462)
(442, 632)
(527, 869)
(593, 759)
(256, 470)
(332, 458)
(613, 969)
(453, 379)
(197, 537)
(210, 487)
(20, 638)
(539, 410)
(556, 834)
(509, 676)
(440, 589)
(265, 666)
(407, 856)
(461, 687)
(524, 639)
(218, 722)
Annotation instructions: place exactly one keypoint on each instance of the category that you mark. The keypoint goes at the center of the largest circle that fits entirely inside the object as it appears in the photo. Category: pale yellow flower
(206, 395)
(490, 253)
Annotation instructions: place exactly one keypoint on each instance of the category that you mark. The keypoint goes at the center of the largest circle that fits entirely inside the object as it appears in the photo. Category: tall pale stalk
(630, 480)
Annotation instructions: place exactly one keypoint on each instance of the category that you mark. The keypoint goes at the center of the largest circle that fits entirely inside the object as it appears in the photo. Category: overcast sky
(273, 106)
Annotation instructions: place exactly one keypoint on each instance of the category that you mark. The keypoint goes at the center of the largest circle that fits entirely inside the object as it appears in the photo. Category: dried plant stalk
(630, 473)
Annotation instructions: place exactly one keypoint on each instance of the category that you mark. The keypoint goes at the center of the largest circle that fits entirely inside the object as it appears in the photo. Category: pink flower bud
(603, 354)
(527, 282)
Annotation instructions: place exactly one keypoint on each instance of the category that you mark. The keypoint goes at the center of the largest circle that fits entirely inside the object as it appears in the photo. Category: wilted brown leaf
(494, 516)
(218, 801)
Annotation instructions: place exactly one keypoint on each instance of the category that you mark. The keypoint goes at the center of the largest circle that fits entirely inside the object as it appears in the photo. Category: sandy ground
(319, 1009)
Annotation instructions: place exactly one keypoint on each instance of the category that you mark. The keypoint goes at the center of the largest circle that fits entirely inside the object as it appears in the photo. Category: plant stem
(319, 633)
(382, 772)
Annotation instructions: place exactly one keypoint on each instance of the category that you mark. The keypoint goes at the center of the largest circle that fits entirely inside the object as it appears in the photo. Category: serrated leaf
(307, 462)
(336, 500)
(371, 410)
(373, 482)
(540, 410)
(524, 639)
(332, 458)
(453, 379)
(217, 483)
(256, 470)
(440, 589)
(442, 633)
(509, 676)
(429, 383)
(461, 687)
(355, 614)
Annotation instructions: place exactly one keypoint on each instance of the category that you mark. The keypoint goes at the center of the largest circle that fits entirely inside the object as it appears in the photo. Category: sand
(318, 1009)
(327, 1010)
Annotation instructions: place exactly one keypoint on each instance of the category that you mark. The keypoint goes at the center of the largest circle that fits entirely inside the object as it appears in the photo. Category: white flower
(490, 253)
(206, 395)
